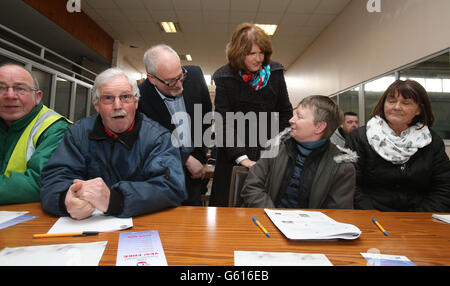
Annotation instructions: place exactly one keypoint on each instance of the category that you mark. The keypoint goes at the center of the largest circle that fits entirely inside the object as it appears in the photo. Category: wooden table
(199, 236)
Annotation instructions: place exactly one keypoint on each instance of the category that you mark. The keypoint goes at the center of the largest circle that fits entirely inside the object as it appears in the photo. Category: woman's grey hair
(107, 76)
(326, 110)
(151, 57)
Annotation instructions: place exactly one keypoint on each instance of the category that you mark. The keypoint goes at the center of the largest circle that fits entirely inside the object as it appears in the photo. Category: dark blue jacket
(141, 167)
(420, 185)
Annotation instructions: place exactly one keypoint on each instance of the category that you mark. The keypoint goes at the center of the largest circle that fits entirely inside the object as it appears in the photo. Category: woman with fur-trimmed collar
(309, 171)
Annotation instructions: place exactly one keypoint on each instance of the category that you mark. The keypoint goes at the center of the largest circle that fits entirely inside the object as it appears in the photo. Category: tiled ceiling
(207, 25)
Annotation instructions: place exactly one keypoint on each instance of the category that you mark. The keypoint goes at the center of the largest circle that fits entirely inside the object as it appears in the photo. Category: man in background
(350, 123)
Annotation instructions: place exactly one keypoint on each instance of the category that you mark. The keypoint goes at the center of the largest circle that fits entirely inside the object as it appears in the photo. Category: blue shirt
(181, 120)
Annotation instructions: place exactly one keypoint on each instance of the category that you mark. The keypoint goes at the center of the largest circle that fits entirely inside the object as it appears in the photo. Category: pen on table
(379, 226)
(260, 226)
(73, 234)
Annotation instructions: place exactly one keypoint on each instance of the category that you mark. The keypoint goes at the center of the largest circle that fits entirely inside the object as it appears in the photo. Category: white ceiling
(207, 25)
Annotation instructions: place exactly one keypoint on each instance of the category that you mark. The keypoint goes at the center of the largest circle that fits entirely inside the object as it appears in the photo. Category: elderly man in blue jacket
(119, 161)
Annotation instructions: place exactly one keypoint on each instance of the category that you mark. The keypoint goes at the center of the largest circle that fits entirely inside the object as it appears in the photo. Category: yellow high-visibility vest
(27, 142)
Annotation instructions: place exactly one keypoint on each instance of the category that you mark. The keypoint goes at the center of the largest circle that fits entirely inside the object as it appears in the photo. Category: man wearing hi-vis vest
(29, 133)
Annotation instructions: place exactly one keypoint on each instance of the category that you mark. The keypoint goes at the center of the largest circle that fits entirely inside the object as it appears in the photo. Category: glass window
(373, 91)
(45, 84)
(62, 100)
(349, 100)
(334, 98)
(92, 110)
(4, 60)
(81, 102)
(434, 76)
(446, 85)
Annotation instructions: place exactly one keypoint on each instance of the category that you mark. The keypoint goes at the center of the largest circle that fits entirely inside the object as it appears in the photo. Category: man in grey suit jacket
(171, 95)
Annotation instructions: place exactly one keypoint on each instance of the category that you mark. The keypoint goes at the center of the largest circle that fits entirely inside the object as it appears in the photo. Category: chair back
(238, 177)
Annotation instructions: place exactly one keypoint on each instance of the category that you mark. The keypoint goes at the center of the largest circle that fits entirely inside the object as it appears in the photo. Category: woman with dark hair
(250, 84)
(402, 163)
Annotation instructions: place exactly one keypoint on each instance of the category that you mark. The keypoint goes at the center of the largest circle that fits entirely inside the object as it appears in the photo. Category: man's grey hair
(152, 54)
(108, 75)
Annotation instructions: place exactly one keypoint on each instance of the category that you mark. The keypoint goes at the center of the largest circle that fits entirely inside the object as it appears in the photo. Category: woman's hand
(247, 163)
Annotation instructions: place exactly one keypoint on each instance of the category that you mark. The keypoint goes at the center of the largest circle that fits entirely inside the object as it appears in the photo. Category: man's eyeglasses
(173, 82)
(110, 99)
(17, 89)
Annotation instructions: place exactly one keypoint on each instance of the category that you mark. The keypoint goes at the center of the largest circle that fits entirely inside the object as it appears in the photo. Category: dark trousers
(194, 190)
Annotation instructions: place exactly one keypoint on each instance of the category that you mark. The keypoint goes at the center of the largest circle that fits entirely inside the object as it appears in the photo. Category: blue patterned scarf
(258, 79)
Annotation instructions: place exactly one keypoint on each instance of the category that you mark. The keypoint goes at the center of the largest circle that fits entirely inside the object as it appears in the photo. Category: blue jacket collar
(127, 139)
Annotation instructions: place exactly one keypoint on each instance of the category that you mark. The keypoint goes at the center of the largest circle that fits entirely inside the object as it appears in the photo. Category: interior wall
(358, 46)
(77, 24)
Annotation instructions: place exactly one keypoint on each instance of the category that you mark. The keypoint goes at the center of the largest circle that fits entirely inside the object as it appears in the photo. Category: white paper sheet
(311, 225)
(142, 248)
(445, 218)
(76, 254)
(16, 220)
(260, 258)
(7, 215)
(97, 222)
(377, 259)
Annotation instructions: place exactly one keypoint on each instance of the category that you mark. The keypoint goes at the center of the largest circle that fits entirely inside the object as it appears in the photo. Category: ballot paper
(445, 218)
(142, 248)
(96, 222)
(377, 259)
(311, 225)
(75, 254)
(260, 258)
(8, 215)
